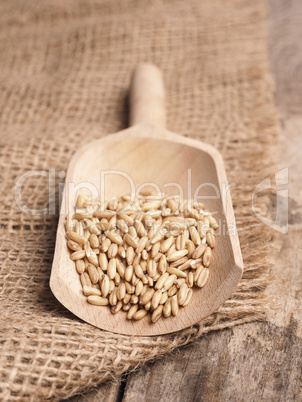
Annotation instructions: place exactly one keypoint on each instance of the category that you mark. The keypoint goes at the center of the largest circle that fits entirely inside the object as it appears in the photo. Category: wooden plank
(285, 51)
(251, 362)
(257, 361)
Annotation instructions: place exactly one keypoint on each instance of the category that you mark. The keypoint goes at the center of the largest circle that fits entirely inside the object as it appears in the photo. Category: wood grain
(258, 361)
(285, 53)
(247, 363)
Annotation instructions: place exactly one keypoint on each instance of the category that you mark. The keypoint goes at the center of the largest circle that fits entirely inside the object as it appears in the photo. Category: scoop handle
(147, 96)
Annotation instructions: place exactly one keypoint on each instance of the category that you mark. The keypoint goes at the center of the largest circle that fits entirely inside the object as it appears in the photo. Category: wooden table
(257, 361)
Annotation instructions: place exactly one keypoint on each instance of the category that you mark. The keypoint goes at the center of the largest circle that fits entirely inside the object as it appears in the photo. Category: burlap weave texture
(64, 71)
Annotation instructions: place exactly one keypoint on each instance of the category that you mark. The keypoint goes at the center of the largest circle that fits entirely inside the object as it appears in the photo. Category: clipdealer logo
(202, 193)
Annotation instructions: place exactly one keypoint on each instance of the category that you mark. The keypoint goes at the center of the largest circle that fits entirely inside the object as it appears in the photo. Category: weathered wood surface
(257, 361)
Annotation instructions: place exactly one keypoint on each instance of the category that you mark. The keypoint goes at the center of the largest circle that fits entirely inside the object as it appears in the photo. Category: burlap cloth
(65, 70)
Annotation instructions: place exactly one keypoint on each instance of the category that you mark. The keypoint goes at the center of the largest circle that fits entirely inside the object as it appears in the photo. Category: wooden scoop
(147, 152)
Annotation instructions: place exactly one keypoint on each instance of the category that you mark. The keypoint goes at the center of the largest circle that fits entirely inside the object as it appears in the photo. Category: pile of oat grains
(141, 255)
